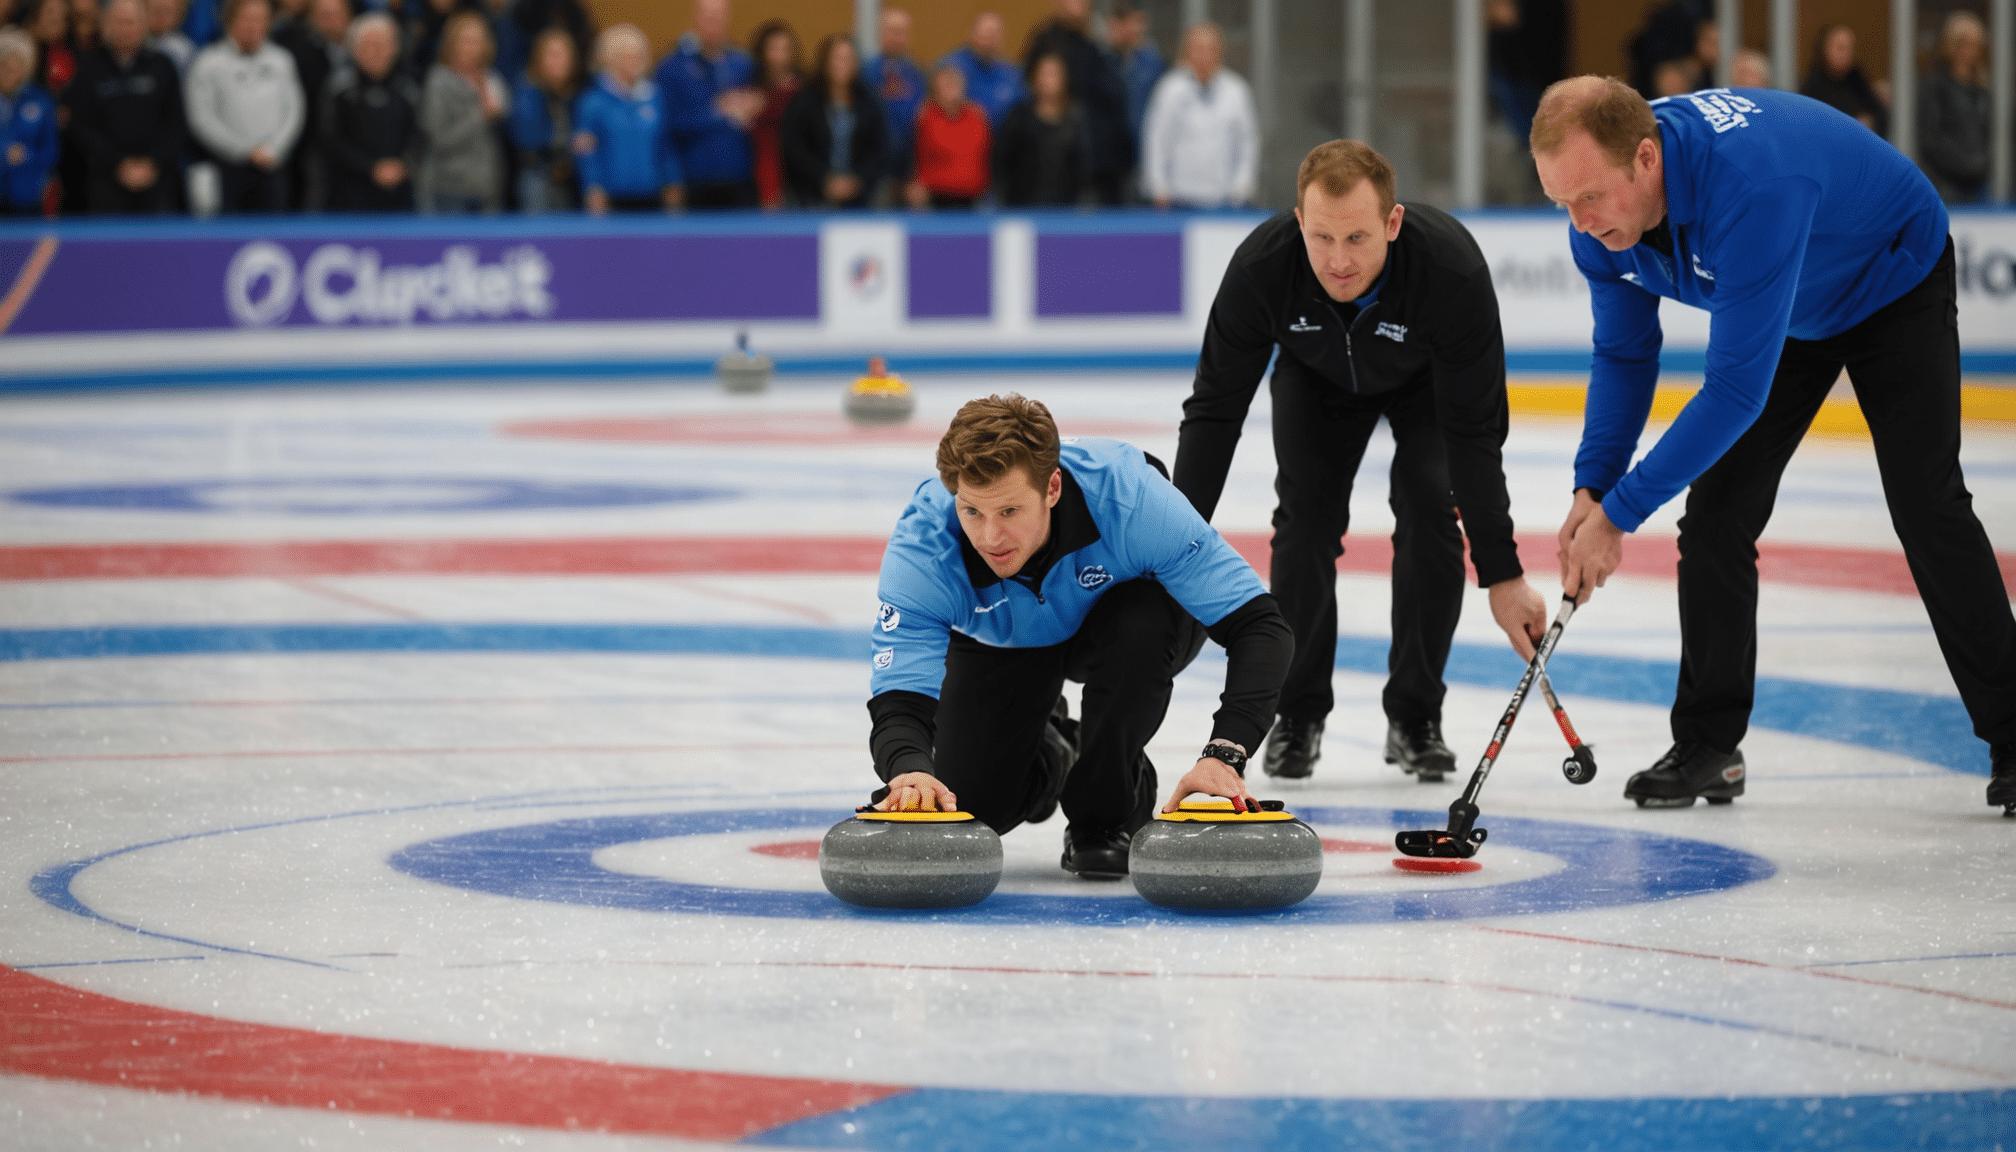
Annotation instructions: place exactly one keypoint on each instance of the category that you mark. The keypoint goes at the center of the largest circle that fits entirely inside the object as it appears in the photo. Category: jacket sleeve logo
(884, 657)
(888, 617)
(1093, 576)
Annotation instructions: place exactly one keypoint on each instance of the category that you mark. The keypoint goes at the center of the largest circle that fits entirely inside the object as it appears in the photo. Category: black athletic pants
(1320, 432)
(994, 704)
(244, 188)
(1904, 362)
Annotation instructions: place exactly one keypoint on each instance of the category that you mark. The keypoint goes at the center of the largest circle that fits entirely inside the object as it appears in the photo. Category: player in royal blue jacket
(1028, 562)
(1815, 246)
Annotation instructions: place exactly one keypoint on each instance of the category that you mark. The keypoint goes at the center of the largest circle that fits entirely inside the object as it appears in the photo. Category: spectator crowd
(1679, 48)
(142, 107)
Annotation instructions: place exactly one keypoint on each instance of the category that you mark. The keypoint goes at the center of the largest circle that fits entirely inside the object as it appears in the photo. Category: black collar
(1071, 528)
(1660, 239)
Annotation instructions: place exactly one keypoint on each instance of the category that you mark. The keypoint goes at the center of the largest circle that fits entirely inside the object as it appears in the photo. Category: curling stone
(879, 398)
(1206, 856)
(742, 371)
(910, 860)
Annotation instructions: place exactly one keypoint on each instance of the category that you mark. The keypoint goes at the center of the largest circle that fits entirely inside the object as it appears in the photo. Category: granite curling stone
(910, 860)
(879, 398)
(742, 371)
(1205, 856)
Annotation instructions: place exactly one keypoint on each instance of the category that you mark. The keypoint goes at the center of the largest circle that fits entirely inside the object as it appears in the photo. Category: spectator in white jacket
(245, 105)
(1201, 142)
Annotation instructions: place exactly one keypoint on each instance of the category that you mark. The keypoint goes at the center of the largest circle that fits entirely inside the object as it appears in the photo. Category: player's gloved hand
(1213, 778)
(1591, 547)
(1520, 611)
(917, 792)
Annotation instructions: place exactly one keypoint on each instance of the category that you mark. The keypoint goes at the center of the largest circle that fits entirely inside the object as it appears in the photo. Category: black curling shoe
(1100, 855)
(1293, 748)
(1686, 771)
(2002, 785)
(1417, 747)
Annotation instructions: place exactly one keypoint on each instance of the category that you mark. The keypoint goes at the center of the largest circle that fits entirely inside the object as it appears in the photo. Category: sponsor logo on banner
(866, 276)
(340, 284)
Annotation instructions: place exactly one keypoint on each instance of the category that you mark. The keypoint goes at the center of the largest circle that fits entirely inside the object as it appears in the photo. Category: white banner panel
(863, 281)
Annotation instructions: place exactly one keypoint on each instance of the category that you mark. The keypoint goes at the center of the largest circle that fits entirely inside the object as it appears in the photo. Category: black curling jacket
(121, 111)
(1435, 321)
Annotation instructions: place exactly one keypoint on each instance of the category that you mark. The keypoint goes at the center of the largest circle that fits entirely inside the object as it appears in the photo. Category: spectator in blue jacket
(542, 124)
(992, 81)
(620, 147)
(709, 102)
(900, 86)
(1135, 59)
(27, 128)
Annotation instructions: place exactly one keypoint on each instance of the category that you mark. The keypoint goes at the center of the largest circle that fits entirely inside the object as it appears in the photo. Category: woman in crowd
(463, 170)
(542, 124)
(372, 132)
(1040, 153)
(1835, 78)
(1953, 112)
(778, 74)
(835, 135)
(27, 128)
(620, 146)
(952, 145)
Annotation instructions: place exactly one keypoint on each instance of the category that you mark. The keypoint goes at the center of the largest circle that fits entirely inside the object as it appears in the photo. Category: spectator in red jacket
(778, 74)
(952, 145)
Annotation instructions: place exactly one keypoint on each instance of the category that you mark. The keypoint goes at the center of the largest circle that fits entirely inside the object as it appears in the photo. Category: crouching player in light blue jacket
(1030, 561)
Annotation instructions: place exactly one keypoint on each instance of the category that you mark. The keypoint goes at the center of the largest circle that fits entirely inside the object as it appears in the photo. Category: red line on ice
(1655, 557)
(63, 1033)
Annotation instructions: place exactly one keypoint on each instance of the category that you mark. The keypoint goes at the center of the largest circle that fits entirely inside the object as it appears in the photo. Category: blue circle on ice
(362, 495)
(555, 861)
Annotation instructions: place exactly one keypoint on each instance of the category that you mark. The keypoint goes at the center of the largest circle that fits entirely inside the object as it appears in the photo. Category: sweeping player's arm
(1238, 343)
(1471, 404)
(1758, 252)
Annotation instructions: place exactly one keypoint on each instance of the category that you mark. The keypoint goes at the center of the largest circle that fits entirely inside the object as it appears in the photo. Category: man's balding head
(1609, 111)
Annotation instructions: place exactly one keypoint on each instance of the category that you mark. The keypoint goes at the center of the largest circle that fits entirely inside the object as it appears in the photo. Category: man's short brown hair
(992, 435)
(1612, 112)
(1338, 167)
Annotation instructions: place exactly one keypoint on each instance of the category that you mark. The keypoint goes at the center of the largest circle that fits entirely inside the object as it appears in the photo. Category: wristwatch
(1228, 752)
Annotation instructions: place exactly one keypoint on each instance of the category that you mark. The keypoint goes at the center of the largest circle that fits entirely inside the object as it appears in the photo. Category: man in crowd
(1134, 58)
(1377, 309)
(1815, 246)
(709, 104)
(245, 105)
(992, 81)
(1097, 90)
(126, 113)
(1028, 562)
(371, 135)
(897, 83)
(312, 32)
(1201, 142)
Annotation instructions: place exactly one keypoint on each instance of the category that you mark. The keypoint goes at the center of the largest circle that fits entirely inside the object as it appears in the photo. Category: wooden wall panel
(1603, 26)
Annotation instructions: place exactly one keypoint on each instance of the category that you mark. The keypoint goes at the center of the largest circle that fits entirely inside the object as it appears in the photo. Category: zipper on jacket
(1350, 359)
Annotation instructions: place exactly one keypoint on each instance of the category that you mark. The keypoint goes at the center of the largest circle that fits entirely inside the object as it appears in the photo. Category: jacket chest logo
(1302, 325)
(1394, 332)
(1093, 576)
(1703, 273)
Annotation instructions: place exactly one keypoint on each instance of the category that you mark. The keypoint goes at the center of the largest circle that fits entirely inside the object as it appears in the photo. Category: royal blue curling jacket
(1788, 219)
(712, 150)
(632, 157)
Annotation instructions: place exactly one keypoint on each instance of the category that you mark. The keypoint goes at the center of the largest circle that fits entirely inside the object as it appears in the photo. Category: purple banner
(1138, 274)
(106, 285)
(951, 276)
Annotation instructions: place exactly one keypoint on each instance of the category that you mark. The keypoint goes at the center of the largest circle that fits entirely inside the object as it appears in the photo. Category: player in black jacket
(1379, 309)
